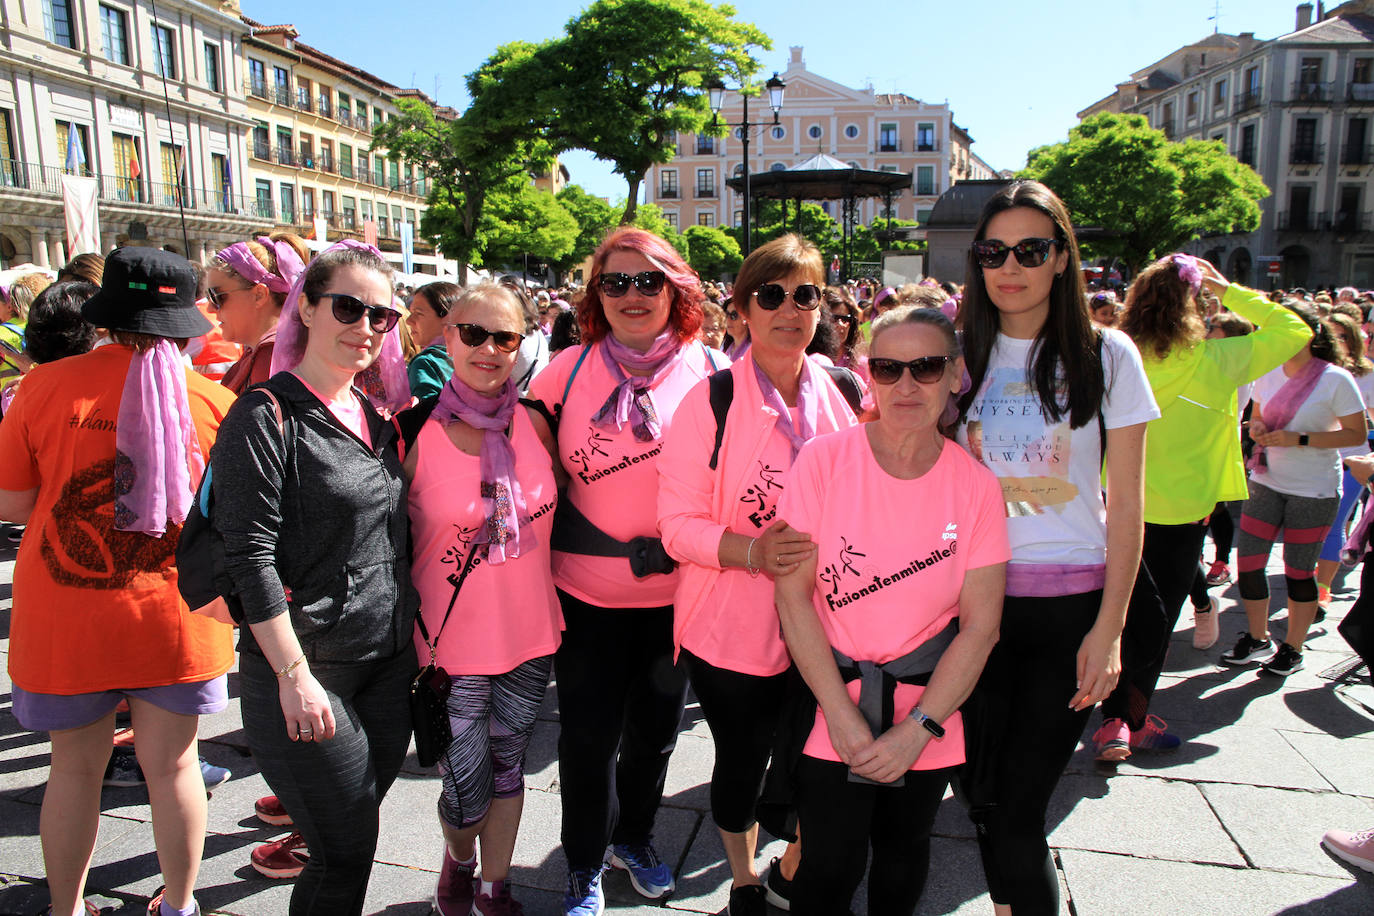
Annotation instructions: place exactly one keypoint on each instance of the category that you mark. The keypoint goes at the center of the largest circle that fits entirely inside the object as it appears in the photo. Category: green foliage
(711, 252)
(1117, 173)
(650, 217)
(525, 221)
(595, 217)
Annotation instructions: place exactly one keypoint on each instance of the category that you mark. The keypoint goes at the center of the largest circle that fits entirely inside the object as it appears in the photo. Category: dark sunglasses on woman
(927, 369)
(992, 253)
(842, 319)
(646, 283)
(474, 335)
(348, 309)
(771, 296)
(216, 296)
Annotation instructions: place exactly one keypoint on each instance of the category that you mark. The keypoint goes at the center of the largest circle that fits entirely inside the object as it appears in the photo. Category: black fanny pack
(573, 532)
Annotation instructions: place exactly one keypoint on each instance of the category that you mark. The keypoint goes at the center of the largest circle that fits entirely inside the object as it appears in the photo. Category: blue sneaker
(584, 896)
(649, 876)
(213, 775)
(1154, 736)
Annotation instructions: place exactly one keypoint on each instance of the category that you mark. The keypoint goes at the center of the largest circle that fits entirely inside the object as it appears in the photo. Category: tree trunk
(631, 200)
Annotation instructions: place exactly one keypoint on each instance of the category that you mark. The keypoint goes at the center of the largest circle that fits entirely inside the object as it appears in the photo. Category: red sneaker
(284, 858)
(457, 886)
(269, 810)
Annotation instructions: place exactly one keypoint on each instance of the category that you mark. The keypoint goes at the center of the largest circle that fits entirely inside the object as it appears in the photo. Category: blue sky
(1015, 73)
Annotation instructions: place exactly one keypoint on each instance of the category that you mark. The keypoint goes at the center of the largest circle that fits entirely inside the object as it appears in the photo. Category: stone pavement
(1229, 824)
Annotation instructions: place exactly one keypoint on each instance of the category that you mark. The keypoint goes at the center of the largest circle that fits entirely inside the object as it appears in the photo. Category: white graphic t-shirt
(1050, 474)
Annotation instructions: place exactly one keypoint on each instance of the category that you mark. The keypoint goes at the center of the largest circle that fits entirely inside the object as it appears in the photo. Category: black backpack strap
(849, 384)
(722, 392)
(542, 409)
(410, 420)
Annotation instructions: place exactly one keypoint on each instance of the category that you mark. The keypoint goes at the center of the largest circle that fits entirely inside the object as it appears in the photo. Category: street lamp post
(716, 90)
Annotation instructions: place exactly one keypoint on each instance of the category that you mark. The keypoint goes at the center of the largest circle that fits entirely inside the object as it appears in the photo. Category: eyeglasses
(349, 309)
(216, 296)
(771, 296)
(926, 370)
(732, 315)
(646, 283)
(474, 335)
(992, 253)
(842, 319)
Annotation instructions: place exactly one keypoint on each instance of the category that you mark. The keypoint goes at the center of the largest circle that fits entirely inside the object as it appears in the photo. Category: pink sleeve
(548, 385)
(687, 485)
(989, 542)
(802, 488)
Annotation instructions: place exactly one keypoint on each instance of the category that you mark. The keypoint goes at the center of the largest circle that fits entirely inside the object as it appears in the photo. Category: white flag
(79, 205)
(321, 229)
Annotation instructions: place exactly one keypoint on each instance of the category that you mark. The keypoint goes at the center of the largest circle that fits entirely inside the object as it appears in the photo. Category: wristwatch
(1302, 438)
(926, 722)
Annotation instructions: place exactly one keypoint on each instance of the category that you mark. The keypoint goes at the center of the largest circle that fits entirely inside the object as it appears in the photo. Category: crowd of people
(890, 538)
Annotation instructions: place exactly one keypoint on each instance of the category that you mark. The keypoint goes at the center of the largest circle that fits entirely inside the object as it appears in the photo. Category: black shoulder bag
(429, 691)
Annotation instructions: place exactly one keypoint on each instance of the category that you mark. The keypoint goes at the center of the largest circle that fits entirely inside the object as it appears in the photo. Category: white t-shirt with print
(1051, 476)
(1304, 470)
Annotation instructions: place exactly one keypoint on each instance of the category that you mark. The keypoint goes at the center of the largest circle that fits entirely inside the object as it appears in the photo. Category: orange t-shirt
(95, 608)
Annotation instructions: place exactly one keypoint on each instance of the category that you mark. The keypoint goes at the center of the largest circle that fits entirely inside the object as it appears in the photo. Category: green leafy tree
(815, 225)
(711, 252)
(627, 77)
(1151, 195)
(525, 221)
(650, 218)
(595, 217)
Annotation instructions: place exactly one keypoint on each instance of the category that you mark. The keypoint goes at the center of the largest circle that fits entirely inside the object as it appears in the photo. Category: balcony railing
(286, 155)
(331, 219)
(325, 109)
(668, 193)
(889, 146)
(1307, 153)
(263, 208)
(262, 150)
(282, 96)
(1359, 92)
(46, 181)
(927, 146)
(257, 89)
(345, 118)
(1247, 100)
(360, 121)
(307, 159)
(326, 162)
(706, 146)
(706, 192)
(1301, 221)
(1350, 222)
(307, 217)
(349, 221)
(1311, 91)
(1357, 155)
(303, 99)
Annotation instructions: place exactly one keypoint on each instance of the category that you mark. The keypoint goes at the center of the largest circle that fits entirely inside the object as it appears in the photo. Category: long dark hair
(1067, 349)
(1324, 344)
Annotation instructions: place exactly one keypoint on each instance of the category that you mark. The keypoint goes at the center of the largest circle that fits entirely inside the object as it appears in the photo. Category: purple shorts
(51, 712)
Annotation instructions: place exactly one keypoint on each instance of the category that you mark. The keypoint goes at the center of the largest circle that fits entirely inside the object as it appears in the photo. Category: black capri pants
(742, 711)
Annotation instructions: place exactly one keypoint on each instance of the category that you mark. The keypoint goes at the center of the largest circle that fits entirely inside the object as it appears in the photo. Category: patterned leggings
(1302, 520)
(492, 717)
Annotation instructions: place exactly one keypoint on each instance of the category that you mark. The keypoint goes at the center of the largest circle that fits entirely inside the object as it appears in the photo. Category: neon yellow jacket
(1192, 452)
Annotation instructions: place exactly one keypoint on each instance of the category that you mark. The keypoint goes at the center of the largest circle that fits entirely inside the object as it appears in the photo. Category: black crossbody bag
(430, 689)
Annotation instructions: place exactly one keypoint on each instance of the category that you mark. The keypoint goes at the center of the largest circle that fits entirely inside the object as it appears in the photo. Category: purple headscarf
(157, 454)
(508, 529)
(384, 382)
(635, 391)
(239, 257)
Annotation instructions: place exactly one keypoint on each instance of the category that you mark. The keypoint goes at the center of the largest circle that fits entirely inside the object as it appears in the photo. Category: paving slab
(1346, 763)
(1233, 753)
(1281, 829)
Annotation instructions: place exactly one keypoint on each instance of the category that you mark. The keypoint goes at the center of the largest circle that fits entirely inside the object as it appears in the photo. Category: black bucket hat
(147, 291)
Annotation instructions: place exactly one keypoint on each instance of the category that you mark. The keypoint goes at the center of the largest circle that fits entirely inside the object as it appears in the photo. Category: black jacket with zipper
(316, 526)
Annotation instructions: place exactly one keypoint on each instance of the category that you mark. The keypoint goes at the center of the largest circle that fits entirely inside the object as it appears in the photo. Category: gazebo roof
(822, 177)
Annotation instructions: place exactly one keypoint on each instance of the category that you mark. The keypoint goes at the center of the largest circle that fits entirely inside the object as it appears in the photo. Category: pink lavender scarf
(634, 392)
(157, 455)
(504, 533)
(1280, 410)
(289, 265)
(808, 404)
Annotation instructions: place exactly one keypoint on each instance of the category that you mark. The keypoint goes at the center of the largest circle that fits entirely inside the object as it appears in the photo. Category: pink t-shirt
(893, 554)
(506, 614)
(349, 412)
(614, 476)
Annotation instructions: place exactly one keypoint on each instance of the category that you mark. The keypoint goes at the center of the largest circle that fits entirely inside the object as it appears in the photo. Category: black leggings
(1021, 734)
(620, 700)
(843, 819)
(1223, 530)
(742, 711)
(334, 788)
(1170, 554)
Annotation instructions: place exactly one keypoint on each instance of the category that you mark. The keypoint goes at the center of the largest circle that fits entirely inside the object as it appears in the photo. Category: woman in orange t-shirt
(103, 451)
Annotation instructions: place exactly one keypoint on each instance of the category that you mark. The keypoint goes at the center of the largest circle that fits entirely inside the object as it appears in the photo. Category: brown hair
(785, 255)
(1348, 333)
(1161, 313)
(87, 266)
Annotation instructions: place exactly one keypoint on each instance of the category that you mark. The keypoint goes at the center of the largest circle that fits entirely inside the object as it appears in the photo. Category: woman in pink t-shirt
(890, 616)
(717, 511)
(620, 696)
(481, 500)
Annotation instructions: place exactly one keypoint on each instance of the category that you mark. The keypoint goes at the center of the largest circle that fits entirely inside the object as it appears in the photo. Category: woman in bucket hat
(103, 453)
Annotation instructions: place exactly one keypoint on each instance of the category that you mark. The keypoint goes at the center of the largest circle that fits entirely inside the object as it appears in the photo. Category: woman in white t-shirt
(1347, 331)
(1304, 412)
(1041, 376)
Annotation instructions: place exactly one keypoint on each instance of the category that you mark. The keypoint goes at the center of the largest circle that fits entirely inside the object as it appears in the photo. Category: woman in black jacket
(310, 502)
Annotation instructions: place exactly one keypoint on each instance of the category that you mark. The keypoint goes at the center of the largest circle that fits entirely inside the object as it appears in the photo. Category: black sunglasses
(843, 319)
(926, 370)
(992, 253)
(349, 309)
(771, 296)
(646, 282)
(216, 296)
(474, 334)
(732, 315)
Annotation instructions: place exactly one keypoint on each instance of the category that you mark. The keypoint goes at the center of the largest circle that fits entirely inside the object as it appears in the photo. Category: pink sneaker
(1355, 848)
(498, 903)
(1113, 741)
(454, 895)
(1206, 626)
